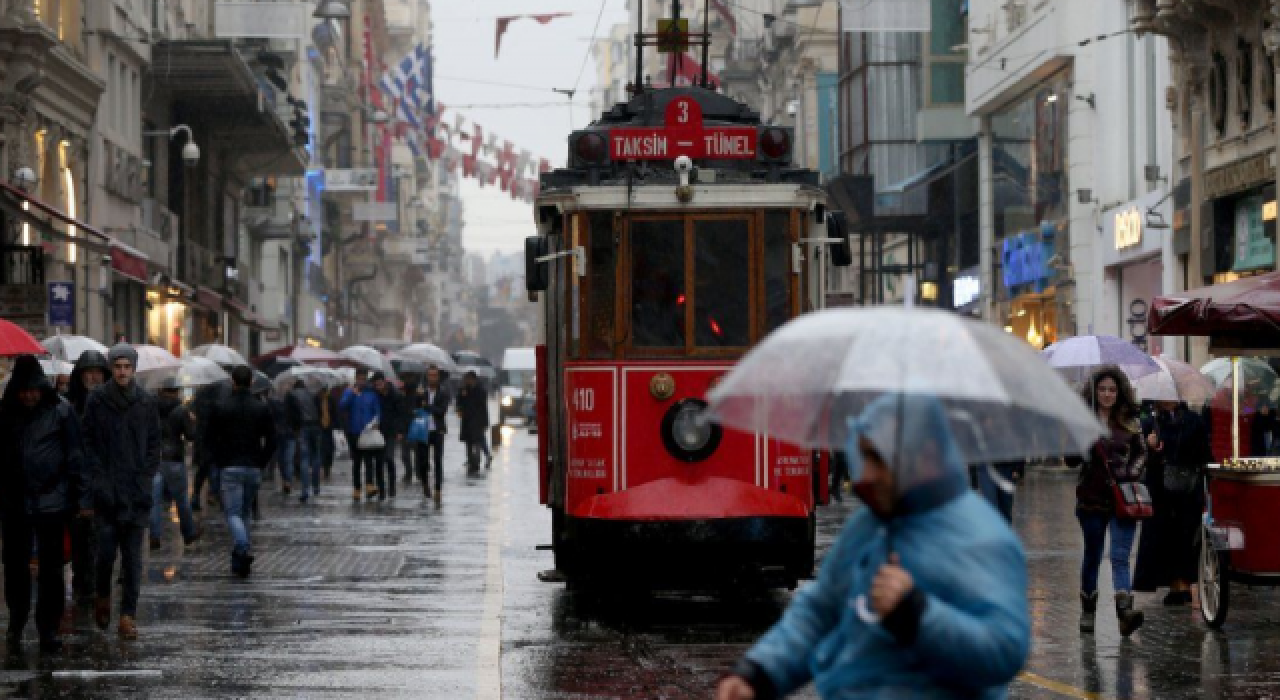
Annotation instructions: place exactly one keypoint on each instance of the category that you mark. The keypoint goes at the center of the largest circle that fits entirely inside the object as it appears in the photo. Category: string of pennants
(433, 133)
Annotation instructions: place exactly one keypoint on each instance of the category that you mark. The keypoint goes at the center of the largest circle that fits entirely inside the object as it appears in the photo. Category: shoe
(128, 629)
(1176, 598)
(241, 564)
(488, 461)
(13, 641)
(102, 613)
(288, 488)
(50, 645)
(356, 495)
(392, 491)
(195, 537)
(426, 494)
(156, 544)
(382, 496)
(302, 499)
(195, 507)
(370, 492)
(1130, 620)
(437, 495)
(1088, 610)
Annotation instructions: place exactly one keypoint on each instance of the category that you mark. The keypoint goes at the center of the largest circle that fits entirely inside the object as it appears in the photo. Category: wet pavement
(402, 599)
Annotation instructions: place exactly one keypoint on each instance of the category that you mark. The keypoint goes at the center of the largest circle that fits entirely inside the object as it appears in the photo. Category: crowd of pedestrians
(98, 466)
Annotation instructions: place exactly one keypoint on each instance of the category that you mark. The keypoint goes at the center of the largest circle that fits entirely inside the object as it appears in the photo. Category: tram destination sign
(683, 134)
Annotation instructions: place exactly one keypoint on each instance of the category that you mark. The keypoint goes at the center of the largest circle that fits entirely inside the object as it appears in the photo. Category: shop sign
(1023, 259)
(62, 304)
(965, 290)
(351, 180)
(1253, 249)
(132, 266)
(1128, 228)
(1239, 176)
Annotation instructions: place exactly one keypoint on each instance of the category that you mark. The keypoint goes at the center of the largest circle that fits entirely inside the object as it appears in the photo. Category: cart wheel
(1214, 588)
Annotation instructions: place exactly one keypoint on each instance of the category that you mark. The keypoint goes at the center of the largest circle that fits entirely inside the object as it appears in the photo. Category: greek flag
(409, 83)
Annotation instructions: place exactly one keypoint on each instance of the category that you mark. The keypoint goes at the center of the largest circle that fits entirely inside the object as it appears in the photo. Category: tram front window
(722, 303)
(658, 298)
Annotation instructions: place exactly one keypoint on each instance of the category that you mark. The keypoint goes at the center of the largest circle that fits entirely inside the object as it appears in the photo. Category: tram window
(722, 301)
(777, 268)
(602, 285)
(657, 284)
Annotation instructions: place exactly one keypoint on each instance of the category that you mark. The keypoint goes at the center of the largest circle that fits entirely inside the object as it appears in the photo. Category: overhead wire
(587, 55)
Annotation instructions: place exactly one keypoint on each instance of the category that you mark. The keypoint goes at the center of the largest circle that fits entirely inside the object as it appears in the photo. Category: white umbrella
(55, 367)
(1081, 355)
(1176, 381)
(314, 378)
(219, 353)
(71, 347)
(370, 358)
(1219, 371)
(152, 358)
(805, 381)
(190, 372)
(427, 354)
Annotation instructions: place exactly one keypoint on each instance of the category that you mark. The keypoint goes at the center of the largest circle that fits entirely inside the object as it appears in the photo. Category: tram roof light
(590, 147)
(775, 143)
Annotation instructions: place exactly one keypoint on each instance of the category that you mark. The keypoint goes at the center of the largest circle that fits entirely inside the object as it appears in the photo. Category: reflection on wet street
(404, 600)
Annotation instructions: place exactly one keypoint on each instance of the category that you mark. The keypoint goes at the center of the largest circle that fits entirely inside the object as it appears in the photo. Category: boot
(102, 612)
(1130, 620)
(128, 628)
(1088, 609)
(13, 640)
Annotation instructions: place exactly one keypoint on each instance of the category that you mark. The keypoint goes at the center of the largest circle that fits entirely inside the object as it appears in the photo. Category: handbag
(371, 438)
(420, 428)
(1132, 499)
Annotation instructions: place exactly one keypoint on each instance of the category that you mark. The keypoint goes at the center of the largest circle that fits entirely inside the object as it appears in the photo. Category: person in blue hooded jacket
(923, 595)
(362, 406)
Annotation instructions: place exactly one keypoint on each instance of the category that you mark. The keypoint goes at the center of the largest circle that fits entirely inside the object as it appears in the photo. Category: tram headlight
(590, 148)
(775, 143)
(687, 433)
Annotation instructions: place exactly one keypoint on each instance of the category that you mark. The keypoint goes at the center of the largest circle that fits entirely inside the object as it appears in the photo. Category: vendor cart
(1240, 540)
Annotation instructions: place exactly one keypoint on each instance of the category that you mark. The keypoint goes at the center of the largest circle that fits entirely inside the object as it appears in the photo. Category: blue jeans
(170, 484)
(1094, 527)
(311, 446)
(239, 489)
(286, 449)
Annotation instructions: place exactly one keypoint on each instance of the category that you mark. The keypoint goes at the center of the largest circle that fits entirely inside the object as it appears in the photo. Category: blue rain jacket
(361, 409)
(973, 630)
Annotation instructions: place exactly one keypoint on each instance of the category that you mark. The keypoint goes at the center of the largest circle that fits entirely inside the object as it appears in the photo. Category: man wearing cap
(122, 441)
(41, 487)
(177, 428)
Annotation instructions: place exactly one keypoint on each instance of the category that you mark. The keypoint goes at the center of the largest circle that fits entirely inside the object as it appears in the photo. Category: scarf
(120, 398)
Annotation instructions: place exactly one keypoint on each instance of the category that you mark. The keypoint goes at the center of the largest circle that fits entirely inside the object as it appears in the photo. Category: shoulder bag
(371, 438)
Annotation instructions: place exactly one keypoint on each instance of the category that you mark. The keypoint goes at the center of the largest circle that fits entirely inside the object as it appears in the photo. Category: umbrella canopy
(71, 347)
(219, 353)
(805, 382)
(426, 354)
(1219, 371)
(1080, 356)
(274, 366)
(190, 372)
(314, 378)
(152, 358)
(55, 368)
(303, 354)
(370, 359)
(1245, 308)
(1176, 381)
(15, 341)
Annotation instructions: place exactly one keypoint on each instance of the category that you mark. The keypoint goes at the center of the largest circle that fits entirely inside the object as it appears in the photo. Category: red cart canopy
(1247, 309)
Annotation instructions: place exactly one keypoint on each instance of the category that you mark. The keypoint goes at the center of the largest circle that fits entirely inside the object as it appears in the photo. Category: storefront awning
(128, 261)
(11, 199)
(209, 299)
(209, 80)
(1243, 313)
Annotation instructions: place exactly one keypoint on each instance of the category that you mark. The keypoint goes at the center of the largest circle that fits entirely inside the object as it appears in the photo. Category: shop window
(722, 302)
(946, 83)
(777, 269)
(658, 295)
(948, 26)
(601, 285)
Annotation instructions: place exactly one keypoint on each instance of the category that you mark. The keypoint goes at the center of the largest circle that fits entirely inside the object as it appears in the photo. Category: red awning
(17, 196)
(129, 262)
(209, 299)
(1248, 307)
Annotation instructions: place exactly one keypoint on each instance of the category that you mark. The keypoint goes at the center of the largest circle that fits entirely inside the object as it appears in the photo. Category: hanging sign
(62, 304)
(683, 135)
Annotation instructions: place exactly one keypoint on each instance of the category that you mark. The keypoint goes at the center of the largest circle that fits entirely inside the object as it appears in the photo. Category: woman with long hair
(1118, 457)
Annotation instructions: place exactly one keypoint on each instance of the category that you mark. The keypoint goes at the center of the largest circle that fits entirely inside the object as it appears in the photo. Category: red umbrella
(1248, 307)
(14, 341)
(306, 355)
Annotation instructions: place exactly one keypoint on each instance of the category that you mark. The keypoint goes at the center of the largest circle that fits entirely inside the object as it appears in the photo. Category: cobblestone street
(404, 600)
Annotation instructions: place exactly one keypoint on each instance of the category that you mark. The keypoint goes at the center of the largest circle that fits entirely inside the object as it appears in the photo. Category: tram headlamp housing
(588, 148)
(687, 433)
(775, 144)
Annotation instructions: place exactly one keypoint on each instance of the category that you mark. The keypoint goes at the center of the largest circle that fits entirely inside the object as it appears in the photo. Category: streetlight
(332, 9)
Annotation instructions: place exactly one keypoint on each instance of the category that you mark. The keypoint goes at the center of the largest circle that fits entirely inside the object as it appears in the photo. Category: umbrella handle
(865, 614)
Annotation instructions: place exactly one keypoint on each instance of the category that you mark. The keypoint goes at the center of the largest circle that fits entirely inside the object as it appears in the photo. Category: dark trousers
(388, 462)
(410, 457)
(327, 450)
(124, 538)
(839, 475)
(430, 456)
(202, 477)
(366, 459)
(84, 553)
(18, 532)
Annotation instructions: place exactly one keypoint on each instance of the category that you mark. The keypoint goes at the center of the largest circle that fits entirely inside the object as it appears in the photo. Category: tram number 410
(584, 399)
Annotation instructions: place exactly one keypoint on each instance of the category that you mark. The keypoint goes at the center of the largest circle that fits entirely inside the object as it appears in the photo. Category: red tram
(676, 238)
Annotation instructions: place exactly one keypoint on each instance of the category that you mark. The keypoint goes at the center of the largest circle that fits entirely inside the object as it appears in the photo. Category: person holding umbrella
(924, 592)
(1118, 458)
(90, 372)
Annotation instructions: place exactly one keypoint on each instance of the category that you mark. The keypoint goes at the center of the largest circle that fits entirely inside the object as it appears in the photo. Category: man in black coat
(43, 485)
(122, 441)
(393, 425)
(206, 398)
(90, 372)
(177, 428)
(434, 399)
(473, 406)
(242, 437)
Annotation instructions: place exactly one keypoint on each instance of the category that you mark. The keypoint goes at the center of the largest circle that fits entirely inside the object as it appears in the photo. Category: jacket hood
(89, 359)
(27, 374)
(912, 435)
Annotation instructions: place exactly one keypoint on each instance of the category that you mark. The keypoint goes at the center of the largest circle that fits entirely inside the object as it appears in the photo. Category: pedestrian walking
(1116, 460)
(923, 594)
(303, 411)
(433, 399)
(362, 407)
(44, 487)
(393, 424)
(1177, 453)
(408, 452)
(839, 475)
(177, 428)
(90, 372)
(205, 399)
(122, 440)
(242, 434)
(286, 443)
(473, 407)
(328, 402)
